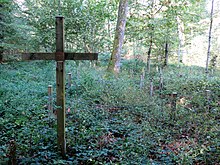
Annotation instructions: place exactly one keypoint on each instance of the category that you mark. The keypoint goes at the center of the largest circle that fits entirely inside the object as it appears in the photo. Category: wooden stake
(12, 153)
(173, 105)
(131, 72)
(161, 71)
(161, 84)
(157, 69)
(60, 84)
(212, 71)
(141, 81)
(151, 88)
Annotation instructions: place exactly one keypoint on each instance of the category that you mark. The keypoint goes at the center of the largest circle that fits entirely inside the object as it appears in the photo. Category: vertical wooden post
(12, 153)
(161, 71)
(151, 88)
(60, 84)
(131, 72)
(157, 68)
(69, 80)
(212, 71)
(173, 105)
(161, 84)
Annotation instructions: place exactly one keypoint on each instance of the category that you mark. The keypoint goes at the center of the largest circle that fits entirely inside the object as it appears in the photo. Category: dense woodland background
(131, 117)
(90, 27)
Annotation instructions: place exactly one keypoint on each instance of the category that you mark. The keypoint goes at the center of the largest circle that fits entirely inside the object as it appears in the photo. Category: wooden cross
(60, 56)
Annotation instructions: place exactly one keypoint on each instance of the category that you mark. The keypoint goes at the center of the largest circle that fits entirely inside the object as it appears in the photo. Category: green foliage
(85, 23)
(110, 120)
(134, 64)
(12, 27)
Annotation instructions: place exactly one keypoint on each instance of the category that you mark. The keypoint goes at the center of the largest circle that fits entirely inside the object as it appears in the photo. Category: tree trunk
(109, 34)
(149, 52)
(210, 36)
(181, 36)
(166, 54)
(114, 63)
(151, 36)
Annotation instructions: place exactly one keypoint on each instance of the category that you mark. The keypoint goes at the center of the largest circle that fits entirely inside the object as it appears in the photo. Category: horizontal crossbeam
(81, 56)
(52, 56)
(37, 56)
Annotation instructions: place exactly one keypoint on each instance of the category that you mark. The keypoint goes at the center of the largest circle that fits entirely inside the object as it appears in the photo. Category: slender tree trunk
(166, 54)
(114, 63)
(109, 34)
(181, 36)
(149, 52)
(151, 36)
(209, 41)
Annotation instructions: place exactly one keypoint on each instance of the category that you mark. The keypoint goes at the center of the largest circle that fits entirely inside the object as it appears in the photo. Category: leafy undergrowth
(110, 120)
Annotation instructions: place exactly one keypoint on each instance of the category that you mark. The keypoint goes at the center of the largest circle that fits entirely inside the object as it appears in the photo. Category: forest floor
(110, 120)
